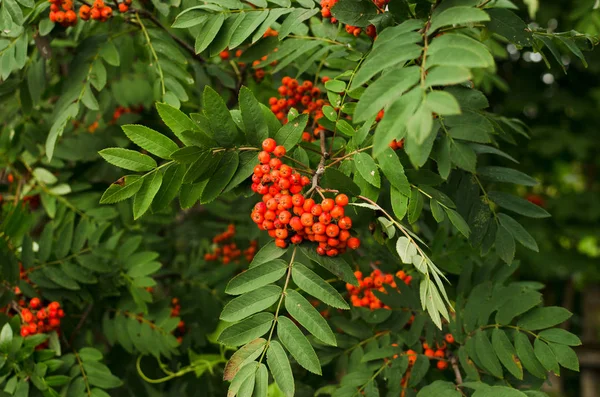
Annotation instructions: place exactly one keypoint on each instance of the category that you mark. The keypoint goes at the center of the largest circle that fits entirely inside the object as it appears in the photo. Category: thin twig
(457, 374)
(321, 167)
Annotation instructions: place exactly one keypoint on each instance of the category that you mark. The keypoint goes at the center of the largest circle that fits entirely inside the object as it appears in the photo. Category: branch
(321, 167)
(457, 374)
(87, 312)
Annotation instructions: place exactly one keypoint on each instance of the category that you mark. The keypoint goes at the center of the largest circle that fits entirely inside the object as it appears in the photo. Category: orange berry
(429, 353)
(279, 151)
(353, 243)
(224, 55)
(123, 7)
(440, 354)
(269, 144)
(442, 365)
(327, 205)
(345, 223)
(449, 338)
(341, 200)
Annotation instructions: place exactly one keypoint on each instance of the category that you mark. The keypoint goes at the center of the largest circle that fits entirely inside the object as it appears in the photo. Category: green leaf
(463, 156)
(498, 391)
(172, 180)
(439, 388)
(280, 368)
(110, 54)
(244, 355)
(150, 140)
(247, 330)
(88, 98)
(177, 121)
(394, 171)
(390, 54)
(188, 154)
(561, 336)
(204, 166)
(220, 121)
(208, 32)
(261, 386)
(219, 180)
(459, 223)
(248, 161)
(415, 205)
(446, 75)
(518, 232)
(256, 277)
(58, 127)
(507, 175)
(565, 356)
(311, 283)
(254, 121)
(267, 253)
(544, 317)
(384, 91)
(6, 337)
(452, 49)
(354, 13)
(506, 353)
(335, 86)
(518, 205)
(337, 266)
(221, 41)
(245, 373)
(122, 190)
(294, 20)
(443, 103)
(143, 198)
(399, 203)
(457, 16)
(505, 245)
(367, 168)
(335, 179)
(250, 303)
(301, 310)
(546, 356)
(486, 354)
(518, 304)
(291, 133)
(508, 24)
(128, 159)
(296, 343)
(250, 23)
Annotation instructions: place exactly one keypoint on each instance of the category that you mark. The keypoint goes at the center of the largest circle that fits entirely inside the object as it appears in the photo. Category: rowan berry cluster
(61, 11)
(363, 296)
(370, 30)
(101, 12)
(288, 216)
(121, 110)
(226, 251)
(395, 145)
(39, 319)
(305, 97)
(259, 73)
(175, 310)
(440, 352)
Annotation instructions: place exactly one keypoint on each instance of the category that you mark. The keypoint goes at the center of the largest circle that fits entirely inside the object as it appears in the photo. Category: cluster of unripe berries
(363, 296)
(38, 319)
(61, 11)
(288, 216)
(370, 30)
(227, 251)
(175, 310)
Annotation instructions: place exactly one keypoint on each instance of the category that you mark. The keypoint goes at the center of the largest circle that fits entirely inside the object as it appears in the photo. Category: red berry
(353, 243)
(269, 145)
(35, 303)
(279, 151)
(264, 157)
(341, 200)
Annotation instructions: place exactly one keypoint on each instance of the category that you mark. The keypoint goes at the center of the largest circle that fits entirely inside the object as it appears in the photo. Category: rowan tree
(272, 198)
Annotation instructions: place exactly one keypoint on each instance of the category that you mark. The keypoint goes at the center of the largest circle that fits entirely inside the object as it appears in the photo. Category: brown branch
(321, 167)
(457, 374)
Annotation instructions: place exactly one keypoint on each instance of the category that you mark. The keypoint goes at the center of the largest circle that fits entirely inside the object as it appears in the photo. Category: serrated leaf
(446, 75)
(506, 353)
(208, 32)
(143, 198)
(486, 354)
(367, 168)
(257, 129)
(457, 16)
(247, 330)
(505, 245)
(256, 277)
(311, 283)
(518, 232)
(337, 266)
(442, 103)
(459, 223)
(122, 191)
(527, 356)
(150, 140)
(301, 310)
(518, 205)
(544, 317)
(128, 159)
(566, 356)
(561, 336)
(177, 121)
(290, 134)
(250, 303)
(280, 368)
(296, 343)
(546, 356)
(244, 355)
(219, 180)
